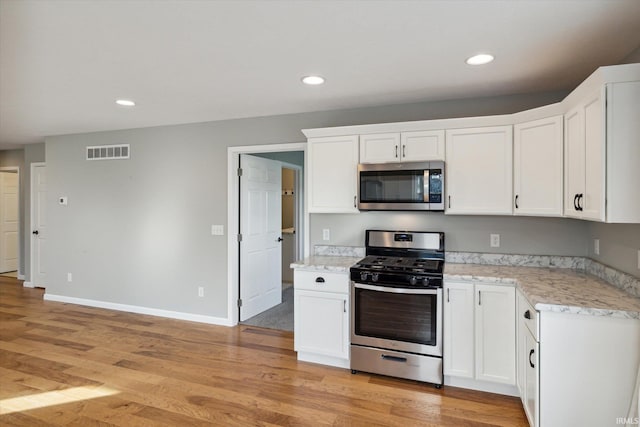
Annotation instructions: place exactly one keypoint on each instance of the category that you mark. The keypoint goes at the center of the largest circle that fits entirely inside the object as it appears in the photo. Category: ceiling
(64, 63)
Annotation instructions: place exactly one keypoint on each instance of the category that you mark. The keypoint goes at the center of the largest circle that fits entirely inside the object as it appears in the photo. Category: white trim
(20, 222)
(20, 276)
(28, 284)
(505, 389)
(31, 213)
(139, 309)
(298, 202)
(233, 211)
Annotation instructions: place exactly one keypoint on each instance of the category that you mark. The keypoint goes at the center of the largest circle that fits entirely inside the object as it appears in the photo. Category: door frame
(30, 284)
(298, 202)
(233, 213)
(20, 213)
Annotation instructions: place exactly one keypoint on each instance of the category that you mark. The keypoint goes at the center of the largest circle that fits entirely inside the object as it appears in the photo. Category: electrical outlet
(495, 240)
(596, 246)
(217, 230)
(200, 291)
(326, 235)
(69, 277)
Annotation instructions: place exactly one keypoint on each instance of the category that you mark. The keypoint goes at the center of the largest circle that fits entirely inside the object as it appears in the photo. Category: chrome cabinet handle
(396, 151)
(479, 297)
(355, 198)
(448, 294)
(344, 306)
(403, 151)
(449, 201)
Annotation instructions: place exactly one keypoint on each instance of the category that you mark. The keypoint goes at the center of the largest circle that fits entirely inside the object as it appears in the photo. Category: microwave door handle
(425, 184)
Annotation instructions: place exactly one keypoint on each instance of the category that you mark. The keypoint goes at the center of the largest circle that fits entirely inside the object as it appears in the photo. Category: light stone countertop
(560, 290)
(337, 264)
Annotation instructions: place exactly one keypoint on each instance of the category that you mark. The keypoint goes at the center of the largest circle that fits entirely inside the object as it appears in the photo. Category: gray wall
(15, 158)
(619, 245)
(138, 231)
(518, 235)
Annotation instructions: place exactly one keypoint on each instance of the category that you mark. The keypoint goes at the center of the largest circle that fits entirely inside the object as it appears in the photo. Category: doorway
(291, 229)
(10, 221)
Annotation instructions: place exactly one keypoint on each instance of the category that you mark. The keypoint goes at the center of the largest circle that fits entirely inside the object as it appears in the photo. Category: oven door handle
(396, 290)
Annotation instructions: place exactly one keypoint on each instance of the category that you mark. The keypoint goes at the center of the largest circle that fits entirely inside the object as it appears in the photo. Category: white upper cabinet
(585, 159)
(422, 146)
(623, 152)
(602, 155)
(402, 147)
(537, 167)
(479, 169)
(332, 174)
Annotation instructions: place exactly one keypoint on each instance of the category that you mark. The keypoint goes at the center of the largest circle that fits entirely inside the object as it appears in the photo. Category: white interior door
(8, 221)
(38, 224)
(260, 227)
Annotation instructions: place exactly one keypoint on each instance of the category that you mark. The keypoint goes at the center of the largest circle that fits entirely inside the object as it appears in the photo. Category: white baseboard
(28, 284)
(20, 276)
(140, 310)
(506, 389)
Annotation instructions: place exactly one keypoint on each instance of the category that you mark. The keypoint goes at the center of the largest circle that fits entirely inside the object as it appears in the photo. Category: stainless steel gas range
(396, 306)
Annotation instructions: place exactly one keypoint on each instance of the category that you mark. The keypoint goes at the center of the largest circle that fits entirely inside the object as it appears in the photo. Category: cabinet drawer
(321, 281)
(528, 315)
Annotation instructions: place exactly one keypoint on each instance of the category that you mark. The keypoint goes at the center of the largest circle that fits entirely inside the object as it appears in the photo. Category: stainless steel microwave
(406, 186)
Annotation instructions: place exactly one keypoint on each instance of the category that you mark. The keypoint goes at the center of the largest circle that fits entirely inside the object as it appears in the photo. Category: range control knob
(413, 280)
(374, 277)
(363, 276)
(425, 281)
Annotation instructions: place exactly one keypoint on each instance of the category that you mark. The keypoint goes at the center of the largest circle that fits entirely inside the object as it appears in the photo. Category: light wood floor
(63, 364)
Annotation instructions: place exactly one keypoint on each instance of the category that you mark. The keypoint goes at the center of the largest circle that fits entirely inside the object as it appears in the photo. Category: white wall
(137, 231)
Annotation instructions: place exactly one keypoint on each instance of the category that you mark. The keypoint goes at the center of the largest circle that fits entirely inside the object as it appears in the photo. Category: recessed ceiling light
(125, 102)
(481, 59)
(313, 80)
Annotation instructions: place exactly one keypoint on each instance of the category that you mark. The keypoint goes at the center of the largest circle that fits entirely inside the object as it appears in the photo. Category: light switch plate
(217, 230)
(326, 235)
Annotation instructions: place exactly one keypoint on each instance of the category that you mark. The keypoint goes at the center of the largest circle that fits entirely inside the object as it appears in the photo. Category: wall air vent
(108, 152)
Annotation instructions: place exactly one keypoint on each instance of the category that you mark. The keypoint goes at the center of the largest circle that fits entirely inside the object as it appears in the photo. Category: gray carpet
(278, 317)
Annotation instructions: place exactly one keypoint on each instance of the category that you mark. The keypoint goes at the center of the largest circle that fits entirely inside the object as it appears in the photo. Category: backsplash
(621, 280)
(573, 262)
(327, 250)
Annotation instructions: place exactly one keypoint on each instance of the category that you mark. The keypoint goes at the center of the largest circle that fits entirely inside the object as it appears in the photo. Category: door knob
(279, 239)
(36, 232)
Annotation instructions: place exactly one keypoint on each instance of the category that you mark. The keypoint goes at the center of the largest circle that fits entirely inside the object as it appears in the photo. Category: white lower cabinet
(479, 336)
(321, 317)
(528, 358)
(576, 369)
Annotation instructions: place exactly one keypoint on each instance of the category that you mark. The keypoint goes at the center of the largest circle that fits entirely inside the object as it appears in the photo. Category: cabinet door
(332, 174)
(458, 329)
(530, 360)
(592, 203)
(573, 160)
(479, 170)
(537, 167)
(422, 146)
(380, 148)
(495, 333)
(321, 323)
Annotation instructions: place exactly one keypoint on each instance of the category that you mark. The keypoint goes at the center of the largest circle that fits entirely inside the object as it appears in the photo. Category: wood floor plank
(166, 372)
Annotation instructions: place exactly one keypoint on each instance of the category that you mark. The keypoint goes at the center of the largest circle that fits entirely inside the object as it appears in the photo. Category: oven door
(397, 318)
